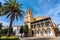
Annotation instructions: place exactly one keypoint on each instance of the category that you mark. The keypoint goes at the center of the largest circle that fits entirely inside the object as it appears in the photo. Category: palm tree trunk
(9, 29)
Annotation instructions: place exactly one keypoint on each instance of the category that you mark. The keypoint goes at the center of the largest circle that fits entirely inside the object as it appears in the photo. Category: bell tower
(28, 17)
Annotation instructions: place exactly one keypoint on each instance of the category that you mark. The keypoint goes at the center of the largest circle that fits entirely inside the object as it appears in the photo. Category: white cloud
(40, 0)
(48, 0)
(54, 14)
(43, 0)
(54, 10)
(4, 23)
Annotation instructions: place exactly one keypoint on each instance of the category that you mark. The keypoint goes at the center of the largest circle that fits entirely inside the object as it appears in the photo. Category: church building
(41, 26)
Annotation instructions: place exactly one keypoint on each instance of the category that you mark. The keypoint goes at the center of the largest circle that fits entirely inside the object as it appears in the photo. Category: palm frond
(20, 5)
(20, 15)
(5, 11)
(16, 16)
(7, 2)
(12, 17)
(11, 1)
(22, 11)
(8, 15)
(0, 5)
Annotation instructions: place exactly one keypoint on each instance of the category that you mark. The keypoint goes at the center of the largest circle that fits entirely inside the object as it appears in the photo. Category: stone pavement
(30, 38)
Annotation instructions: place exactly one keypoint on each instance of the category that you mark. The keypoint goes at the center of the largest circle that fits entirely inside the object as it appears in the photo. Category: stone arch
(48, 29)
(39, 32)
(43, 32)
(49, 32)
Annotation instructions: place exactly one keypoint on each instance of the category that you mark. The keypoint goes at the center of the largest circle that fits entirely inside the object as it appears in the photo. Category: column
(39, 24)
(36, 25)
(53, 32)
(51, 22)
(39, 32)
(44, 23)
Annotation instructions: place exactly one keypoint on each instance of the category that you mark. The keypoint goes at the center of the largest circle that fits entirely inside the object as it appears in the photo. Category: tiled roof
(41, 17)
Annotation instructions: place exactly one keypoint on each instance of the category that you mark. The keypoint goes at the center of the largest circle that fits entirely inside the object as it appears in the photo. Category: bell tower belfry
(28, 17)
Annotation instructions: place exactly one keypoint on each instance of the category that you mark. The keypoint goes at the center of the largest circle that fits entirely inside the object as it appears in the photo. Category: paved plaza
(30, 38)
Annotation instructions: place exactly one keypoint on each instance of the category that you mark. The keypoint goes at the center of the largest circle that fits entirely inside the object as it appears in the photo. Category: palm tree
(13, 11)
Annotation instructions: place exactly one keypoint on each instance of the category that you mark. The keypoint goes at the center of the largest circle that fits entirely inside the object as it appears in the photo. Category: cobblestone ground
(57, 38)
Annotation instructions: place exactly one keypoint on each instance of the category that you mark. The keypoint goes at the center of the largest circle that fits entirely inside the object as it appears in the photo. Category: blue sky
(39, 8)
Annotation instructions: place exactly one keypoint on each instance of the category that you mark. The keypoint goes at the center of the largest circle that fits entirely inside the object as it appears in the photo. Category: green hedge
(4, 31)
(9, 39)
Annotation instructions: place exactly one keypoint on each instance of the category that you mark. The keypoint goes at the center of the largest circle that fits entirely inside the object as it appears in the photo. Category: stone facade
(41, 26)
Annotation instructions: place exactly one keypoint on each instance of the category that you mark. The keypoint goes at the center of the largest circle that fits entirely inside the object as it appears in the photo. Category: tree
(21, 30)
(0, 28)
(25, 30)
(13, 11)
(0, 8)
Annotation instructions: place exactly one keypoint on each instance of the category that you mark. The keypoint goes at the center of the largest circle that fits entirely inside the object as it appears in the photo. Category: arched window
(34, 32)
(43, 31)
(40, 33)
(49, 30)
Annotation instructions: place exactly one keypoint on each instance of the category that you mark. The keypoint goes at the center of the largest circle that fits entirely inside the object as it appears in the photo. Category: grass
(8, 38)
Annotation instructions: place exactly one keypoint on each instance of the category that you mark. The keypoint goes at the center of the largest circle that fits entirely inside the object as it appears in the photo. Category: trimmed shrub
(4, 31)
(25, 29)
(21, 30)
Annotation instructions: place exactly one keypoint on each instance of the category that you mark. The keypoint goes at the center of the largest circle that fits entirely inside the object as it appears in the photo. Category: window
(41, 32)
(47, 24)
(48, 31)
(31, 26)
(42, 24)
(35, 26)
(38, 25)
(34, 32)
